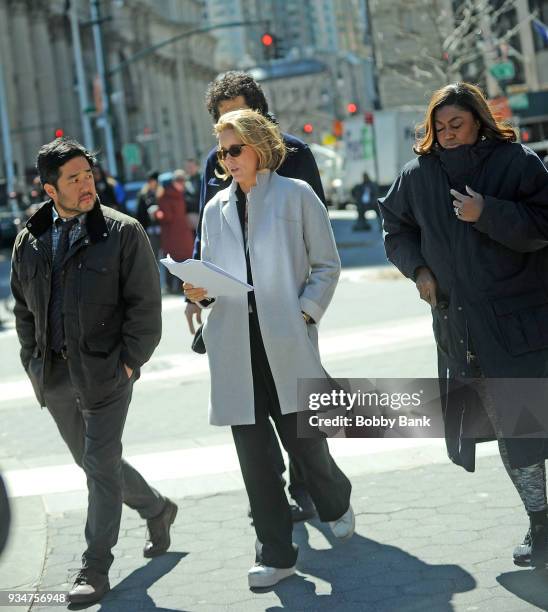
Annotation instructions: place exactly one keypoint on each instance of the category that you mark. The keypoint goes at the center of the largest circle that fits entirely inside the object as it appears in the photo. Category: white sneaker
(343, 528)
(260, 576)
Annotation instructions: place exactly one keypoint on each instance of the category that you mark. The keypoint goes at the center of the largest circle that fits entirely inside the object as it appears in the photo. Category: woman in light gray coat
(274, 232)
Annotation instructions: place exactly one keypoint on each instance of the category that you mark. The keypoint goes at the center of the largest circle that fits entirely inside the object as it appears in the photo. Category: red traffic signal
(59, 133)
(525, 135)
(308, 128)
(352, 108)
(267, 39)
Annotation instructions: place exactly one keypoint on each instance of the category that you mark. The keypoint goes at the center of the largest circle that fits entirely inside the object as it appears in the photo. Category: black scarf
(463, 164)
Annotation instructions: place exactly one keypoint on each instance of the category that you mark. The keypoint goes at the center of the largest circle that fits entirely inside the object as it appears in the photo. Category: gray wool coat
(295, 267)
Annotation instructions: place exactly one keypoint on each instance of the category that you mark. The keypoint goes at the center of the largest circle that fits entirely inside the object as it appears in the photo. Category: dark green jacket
(112, 299)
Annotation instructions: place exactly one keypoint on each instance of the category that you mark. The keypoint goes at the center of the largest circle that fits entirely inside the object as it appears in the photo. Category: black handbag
(198, 345)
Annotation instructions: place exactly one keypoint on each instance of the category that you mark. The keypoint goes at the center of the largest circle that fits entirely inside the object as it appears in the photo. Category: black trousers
(297, 487)
(326, 483)
(93, 435)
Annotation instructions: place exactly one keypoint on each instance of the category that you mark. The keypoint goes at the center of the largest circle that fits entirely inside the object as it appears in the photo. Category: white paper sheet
(207, 275)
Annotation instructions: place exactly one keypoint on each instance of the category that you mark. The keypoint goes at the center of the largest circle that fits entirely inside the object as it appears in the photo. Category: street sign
(131, 154)
(503, 71)
(518, 101)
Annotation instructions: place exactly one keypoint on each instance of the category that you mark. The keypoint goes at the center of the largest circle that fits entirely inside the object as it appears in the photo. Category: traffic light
(269, 43)
(368, 118)
(352, 108)
(525, 135)
(267, 39)
(308, 128)
(59, 133)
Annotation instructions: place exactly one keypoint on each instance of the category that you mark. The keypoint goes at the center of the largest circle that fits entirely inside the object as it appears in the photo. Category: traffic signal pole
(148, 50)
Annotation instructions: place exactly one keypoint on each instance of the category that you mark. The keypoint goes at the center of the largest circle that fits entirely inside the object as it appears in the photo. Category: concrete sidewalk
(430, 538)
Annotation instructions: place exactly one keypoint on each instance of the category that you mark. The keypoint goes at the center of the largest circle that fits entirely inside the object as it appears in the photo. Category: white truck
(394, 136)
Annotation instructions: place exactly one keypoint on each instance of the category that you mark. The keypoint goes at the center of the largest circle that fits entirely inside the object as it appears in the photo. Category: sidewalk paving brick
(431, 538)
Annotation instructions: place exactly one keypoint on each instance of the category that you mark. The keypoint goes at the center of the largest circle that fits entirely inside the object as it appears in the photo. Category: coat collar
(255, 197)
(42, 220)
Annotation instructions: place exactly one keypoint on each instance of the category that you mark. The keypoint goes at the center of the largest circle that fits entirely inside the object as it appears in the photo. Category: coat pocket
(523, 321)
(98, 283)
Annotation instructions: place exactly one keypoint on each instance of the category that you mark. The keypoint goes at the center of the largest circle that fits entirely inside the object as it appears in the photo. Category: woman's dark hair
(467, 97)
(57, 153)
(231, 85)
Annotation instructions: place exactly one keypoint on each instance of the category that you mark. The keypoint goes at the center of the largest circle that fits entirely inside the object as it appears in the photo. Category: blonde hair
(258, 132)
(467, 97)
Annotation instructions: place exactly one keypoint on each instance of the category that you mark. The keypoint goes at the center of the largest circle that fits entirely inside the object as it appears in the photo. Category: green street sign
(503, 71)
(367, 134)
(131, 154)
(518, 101)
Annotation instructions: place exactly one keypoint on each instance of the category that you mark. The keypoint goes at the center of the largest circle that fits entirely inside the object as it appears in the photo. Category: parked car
(10, 224)
(132, 190)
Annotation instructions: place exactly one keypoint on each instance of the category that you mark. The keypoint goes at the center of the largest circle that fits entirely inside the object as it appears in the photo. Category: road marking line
(185, 463)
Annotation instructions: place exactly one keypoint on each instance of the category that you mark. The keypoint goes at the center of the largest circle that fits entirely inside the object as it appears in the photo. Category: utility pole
(101, 71)
(80, 76)
(6, 139)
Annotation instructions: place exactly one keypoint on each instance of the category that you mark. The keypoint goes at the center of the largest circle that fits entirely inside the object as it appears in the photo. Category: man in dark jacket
(147, 205)
(364, 195)
(192, 192)
(88, 316)
(236, 90)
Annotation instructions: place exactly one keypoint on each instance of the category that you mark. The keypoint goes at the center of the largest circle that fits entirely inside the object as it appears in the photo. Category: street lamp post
(101, 71)
(6, 139)
(80, 76)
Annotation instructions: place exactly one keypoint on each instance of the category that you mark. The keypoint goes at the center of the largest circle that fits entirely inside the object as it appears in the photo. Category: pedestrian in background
(467, 221)
(233, 91)
(88, 316)
(364, 195)
(275, 232)
(107, 189)
(147, 206)
(177, 238)
(192, 192)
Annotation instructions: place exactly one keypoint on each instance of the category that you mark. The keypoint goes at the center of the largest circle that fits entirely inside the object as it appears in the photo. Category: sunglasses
(233, 151)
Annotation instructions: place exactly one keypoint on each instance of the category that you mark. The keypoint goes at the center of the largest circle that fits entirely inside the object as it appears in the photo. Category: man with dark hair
(364, 195)
(147, 206)
(233, 91)
(88, 316)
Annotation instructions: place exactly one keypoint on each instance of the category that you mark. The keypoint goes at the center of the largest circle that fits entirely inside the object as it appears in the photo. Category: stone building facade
(157, 102)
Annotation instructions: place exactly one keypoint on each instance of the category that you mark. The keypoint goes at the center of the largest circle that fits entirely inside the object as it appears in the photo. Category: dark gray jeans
(93, 435)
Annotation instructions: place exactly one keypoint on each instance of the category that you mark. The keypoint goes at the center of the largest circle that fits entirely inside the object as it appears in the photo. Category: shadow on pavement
(366, 575)
(527, 584)
(132, 591)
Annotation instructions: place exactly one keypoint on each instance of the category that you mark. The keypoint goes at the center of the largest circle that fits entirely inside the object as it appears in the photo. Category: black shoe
(522, 552)
(90, 586)
(361, 226)
(158, 540)
(539, 545)
(304, 509)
